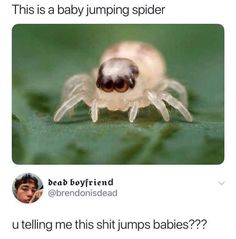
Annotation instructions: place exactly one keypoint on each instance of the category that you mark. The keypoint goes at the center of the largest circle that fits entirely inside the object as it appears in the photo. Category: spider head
(117, 74)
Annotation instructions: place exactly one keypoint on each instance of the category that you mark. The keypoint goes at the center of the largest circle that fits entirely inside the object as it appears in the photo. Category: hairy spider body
(132, 75)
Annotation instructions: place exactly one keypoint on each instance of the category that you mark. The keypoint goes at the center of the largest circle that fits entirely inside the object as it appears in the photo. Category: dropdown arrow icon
(221, 182)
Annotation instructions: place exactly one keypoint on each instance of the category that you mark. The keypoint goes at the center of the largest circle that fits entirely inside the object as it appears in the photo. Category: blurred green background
(45, 55)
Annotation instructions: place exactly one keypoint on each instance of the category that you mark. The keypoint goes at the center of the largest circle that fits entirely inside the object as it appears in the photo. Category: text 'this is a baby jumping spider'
(132, 75)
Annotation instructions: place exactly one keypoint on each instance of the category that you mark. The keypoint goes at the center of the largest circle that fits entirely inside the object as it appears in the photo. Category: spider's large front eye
(107, 86)
(121, 85)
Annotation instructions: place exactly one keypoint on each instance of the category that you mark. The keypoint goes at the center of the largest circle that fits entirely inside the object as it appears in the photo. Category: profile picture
(27, 188)
(118, 94)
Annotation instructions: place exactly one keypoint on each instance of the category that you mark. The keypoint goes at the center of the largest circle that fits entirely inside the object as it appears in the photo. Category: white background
(145, 192)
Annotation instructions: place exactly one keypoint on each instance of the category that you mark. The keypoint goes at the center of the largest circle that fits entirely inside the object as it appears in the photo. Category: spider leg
(76, 88)
(71, 94)
(176, 86)
(177, 105)
(66, 106)
(133, 112)
(159, 104)
(94, 111)
(72, 86)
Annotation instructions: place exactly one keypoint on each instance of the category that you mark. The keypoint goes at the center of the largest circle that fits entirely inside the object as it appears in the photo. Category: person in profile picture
(27, 188)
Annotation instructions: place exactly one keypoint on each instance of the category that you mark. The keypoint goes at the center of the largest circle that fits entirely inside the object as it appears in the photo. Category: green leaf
(45, 55)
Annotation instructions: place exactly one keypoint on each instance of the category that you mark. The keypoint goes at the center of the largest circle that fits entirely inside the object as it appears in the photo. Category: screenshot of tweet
(117, 119)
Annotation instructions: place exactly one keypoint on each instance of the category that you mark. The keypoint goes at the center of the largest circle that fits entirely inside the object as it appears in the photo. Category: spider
(132, 75)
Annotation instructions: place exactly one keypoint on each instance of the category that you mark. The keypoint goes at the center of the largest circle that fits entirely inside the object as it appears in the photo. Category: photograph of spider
(131, 76)
(136, 94)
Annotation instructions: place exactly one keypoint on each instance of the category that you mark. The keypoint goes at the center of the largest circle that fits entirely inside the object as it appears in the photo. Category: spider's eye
(121, 85)
(107, 86)
(134, 70)
(105, 83)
